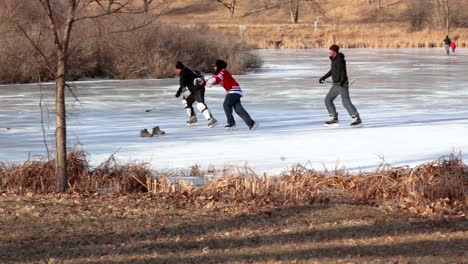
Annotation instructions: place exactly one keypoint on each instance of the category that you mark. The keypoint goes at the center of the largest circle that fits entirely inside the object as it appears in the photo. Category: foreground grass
(146, 229)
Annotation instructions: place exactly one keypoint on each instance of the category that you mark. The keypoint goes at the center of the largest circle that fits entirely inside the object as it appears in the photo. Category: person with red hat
(233, 96)
(340, 87)
(195, 83)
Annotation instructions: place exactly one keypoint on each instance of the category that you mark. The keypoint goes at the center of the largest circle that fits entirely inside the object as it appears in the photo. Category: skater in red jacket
(453, 46)
(233, 96)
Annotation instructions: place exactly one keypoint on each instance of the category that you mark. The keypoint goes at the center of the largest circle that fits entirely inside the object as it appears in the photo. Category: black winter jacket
(447, 41)
(338, 69)
(186, 80)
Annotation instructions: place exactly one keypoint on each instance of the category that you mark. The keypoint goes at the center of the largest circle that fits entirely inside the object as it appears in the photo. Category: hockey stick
(154, 108)
(149, 110)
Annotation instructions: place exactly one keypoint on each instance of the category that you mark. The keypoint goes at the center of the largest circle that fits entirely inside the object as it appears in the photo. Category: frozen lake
(413, 102)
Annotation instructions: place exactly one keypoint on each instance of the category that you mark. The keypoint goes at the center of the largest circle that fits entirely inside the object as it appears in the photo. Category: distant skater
(340, 87)
(232, 100)
(453, 46)
(447, 42)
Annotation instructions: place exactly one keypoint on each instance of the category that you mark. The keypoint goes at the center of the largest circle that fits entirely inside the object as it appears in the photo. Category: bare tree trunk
(60, 79)
(379, 4)
(447, 16)
(61, 131)
(442, 15)
(232, 8)
(294, 10)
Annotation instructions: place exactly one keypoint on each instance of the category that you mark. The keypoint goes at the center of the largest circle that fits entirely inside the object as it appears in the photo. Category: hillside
(351, 23)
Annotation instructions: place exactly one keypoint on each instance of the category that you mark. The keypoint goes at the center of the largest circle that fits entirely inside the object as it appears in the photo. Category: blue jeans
(233, 102)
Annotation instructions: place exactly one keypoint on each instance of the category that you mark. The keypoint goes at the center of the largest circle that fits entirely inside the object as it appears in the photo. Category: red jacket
(229, 84)
(453, 45)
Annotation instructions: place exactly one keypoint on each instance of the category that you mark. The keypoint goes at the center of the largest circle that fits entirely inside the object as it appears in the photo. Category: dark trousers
(232, 101)
(196, 95)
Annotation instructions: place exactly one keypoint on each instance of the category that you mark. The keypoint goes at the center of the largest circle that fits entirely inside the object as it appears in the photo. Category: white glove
(210, 82)
(198, 81)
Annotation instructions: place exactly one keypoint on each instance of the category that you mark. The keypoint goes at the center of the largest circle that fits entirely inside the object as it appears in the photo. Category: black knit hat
(220, 64)
(179, 65)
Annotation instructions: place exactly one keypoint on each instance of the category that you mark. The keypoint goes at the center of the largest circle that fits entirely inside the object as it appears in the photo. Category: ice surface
(414, 104)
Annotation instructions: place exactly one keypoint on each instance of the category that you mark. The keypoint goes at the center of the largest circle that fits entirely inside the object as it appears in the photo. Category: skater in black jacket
(340, 87)
(447, 43)
(195, 83)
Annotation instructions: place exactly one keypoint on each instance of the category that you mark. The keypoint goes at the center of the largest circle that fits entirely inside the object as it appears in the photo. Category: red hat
(334, 47)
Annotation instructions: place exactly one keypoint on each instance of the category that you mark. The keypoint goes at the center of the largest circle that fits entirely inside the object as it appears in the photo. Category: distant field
(351, 23)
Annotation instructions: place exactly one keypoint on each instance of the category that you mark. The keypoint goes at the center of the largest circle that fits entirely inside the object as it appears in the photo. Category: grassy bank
(126, 213)
(149, 229)
(350, 23)
(303, 36)
(438, 187)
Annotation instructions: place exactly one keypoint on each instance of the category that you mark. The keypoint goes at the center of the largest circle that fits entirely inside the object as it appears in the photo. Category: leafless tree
(62, 16)
(447, 14)
(294, 7)
(229, 4)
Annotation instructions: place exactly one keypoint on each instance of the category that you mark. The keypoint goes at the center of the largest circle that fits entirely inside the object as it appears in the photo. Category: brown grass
(436, 187)
(302, 36)
(150, 229)
(126, 213)
(351, 23)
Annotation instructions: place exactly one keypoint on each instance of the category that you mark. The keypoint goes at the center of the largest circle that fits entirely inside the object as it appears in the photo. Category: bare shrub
(101, 50)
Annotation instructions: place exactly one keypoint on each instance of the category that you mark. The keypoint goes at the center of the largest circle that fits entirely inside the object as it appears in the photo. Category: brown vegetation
(436, 187)
(126, 213)
(152, 229)
(351, 23)
(106, 48)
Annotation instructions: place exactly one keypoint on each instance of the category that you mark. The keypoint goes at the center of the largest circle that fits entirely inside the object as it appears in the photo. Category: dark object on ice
(158, 131)
(8, 128)
(145, 133)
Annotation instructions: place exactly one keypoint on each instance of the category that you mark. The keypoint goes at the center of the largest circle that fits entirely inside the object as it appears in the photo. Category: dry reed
(436, 187)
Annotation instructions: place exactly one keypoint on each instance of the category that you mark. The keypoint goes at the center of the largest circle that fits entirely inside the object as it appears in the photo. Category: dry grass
(109, 177)
(302, 36)
(438, 187)
(151, 229)
(125, 213)
(351, 23)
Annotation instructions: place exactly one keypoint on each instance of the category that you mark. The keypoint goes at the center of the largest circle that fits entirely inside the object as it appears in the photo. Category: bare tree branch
(70, 88)
(231, 5)
(264, 8)
(36, 47)
(42, 118)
